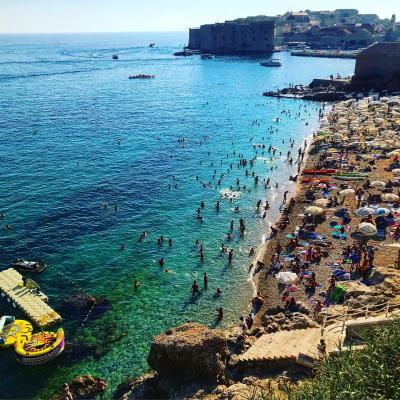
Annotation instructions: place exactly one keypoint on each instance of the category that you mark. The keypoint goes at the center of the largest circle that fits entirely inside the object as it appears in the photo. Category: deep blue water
(76, 133)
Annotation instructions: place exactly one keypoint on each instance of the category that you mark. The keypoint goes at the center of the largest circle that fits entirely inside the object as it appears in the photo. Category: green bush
(369, 374)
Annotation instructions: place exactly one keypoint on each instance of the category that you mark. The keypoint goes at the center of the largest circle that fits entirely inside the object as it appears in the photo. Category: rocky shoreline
(193, 361)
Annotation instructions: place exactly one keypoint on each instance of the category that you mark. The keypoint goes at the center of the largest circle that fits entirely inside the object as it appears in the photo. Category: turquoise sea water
(76, 134)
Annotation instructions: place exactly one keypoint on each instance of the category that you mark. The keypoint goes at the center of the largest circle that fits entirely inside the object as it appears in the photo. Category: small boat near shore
(349, 177)
(319, 171)
(28, 266)
(272, 62)
(186, 53)
(207, 57)
(315, 180)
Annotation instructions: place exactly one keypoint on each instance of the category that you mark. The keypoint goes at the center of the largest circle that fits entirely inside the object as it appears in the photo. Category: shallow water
(75, 134)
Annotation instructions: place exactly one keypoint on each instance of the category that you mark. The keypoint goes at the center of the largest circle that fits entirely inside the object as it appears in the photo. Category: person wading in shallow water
(230, 257)
(195, 289)
(205, 279)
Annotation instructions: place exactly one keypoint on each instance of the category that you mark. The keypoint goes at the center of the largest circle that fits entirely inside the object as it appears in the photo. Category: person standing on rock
(249, 321)
(67, 392)
(243, 326)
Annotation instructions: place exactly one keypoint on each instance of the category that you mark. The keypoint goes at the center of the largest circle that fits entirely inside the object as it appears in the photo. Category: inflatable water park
(31, 348)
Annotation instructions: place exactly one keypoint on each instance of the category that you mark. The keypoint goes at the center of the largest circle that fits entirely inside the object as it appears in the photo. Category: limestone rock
(271, 328)
(191, 351)
(287, 321)
(355, 289)
(84, 387)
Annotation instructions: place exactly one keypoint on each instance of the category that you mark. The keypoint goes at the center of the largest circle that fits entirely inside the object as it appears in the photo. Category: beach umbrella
(396, 171)
(364, 211)
(322, 202)
(346, 192)
(390, 197)
(314, 211)
(382, 211)
(378, 184)
(286, 278)
(367, 229)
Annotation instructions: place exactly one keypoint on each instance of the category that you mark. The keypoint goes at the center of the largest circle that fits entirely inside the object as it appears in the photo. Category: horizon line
(88, 32)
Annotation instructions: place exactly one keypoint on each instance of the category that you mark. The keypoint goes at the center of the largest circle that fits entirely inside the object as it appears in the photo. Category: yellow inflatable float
(41, 348)
(31, 348)
(12, 330)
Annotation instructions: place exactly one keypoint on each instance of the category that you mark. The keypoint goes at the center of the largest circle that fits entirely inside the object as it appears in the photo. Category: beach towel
(340, 236)
(338, 293)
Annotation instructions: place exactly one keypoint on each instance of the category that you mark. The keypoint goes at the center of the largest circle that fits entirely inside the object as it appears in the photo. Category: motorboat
(187, 52)
(183, 53)
(28, 266)
(207, 56)
(272, 62)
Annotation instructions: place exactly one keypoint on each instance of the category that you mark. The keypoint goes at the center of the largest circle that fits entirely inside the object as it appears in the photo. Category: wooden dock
(31, 303)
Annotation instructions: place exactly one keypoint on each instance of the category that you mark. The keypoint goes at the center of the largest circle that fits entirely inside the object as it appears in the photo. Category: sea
(90, 159)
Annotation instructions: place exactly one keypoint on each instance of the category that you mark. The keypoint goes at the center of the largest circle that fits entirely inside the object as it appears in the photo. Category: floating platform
(31, 303)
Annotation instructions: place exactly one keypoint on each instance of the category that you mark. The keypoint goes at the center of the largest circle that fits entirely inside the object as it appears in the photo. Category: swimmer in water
(142, 236)
(136, 285)
(161, 262)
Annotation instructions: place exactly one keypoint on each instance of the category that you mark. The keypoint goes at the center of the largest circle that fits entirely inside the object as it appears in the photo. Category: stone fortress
(233, 37)
(338, 29)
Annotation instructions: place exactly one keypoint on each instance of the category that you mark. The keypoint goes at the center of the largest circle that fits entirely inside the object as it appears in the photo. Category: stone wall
(233, 37)
(380, 61)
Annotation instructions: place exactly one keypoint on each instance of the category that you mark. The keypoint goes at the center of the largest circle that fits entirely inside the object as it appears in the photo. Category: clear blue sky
(26, 16)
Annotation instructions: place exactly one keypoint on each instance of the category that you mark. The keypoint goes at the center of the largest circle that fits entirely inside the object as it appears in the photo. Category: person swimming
(169, 271)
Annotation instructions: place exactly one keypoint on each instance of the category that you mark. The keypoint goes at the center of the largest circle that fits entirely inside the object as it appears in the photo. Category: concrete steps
(301, 345)
(282, 345)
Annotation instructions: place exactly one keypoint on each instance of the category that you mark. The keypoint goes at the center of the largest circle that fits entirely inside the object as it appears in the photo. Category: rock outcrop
(287, 321)
(191, 351)
(84, 387)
